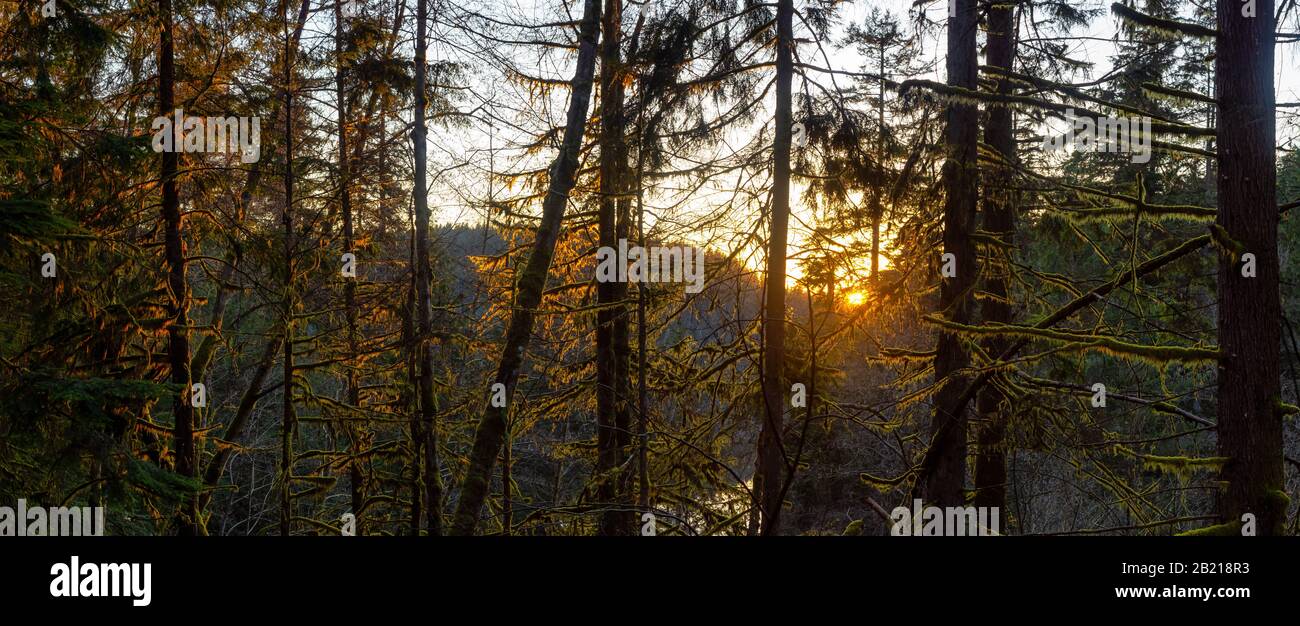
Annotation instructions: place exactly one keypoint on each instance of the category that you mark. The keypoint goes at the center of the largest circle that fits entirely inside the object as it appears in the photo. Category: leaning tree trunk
(491, 428)
(771, 457)
(207, 348)
(945, 476)
(423, 273)
(1250, 315)
(611, 314)
(178, 340)
(999, 221)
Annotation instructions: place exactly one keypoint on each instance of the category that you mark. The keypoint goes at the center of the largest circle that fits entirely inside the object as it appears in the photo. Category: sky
(457, 191)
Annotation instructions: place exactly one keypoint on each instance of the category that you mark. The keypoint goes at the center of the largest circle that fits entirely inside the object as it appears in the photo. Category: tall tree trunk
(252, 180)
(207, 348)
(643, 404)
(178, 340)
(643, 409)
(877, 198)
(355, 478)
(771, 457)
(622, 363)
(623, 376)
(432, 476)
(491, 428)
(408, 402)
(999, 220)
(1250, 317)
(945, 477)
(288, 423)
(611, 316)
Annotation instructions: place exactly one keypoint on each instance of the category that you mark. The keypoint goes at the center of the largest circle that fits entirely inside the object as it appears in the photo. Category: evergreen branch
(1161, 25)
(1084, 341)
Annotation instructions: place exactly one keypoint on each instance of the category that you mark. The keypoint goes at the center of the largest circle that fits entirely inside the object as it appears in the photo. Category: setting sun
(855, 298)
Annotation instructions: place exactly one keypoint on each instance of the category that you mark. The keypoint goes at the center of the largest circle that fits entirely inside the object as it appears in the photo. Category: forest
(651, 267)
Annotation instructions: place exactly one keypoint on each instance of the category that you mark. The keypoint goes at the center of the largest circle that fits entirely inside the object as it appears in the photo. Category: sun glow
(855, 298)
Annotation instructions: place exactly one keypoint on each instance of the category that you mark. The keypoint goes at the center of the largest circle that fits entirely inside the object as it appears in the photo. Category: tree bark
(491, 428)
(643, 409)
(1000, 221)
(771, 456)
(877, 197)
(611, 315)
(288, 423)
(946, 478)
(1250, 317)
(355, 479)
(432, 475)
(408, 402)
(178, 340)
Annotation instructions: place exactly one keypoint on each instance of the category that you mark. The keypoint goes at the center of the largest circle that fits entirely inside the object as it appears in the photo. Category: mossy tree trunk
(490, 434)
(423, 276)
(611, 317)
(999, 221)
(356, 486)
(945, 475)
(288, 420)
(1250, 315)
(178, 340)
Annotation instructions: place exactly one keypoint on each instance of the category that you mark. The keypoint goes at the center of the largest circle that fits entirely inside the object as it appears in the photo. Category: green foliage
(1227, 529)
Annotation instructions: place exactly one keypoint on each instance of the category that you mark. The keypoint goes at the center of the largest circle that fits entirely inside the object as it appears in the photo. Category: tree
(890, 53)
(1249, 320)
(491, 428)
(355, 478)
(945, 471)
(428, 428)
(1113, 325)
(771, 466)
(178, 341)
(288, 417)
(1000, 223)
(613, 423)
